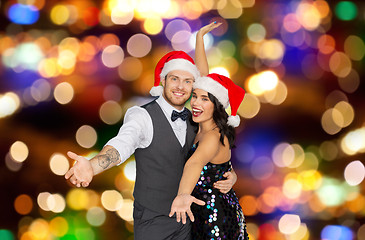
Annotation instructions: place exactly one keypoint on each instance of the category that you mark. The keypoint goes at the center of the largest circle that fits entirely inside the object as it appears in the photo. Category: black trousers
(149, 225)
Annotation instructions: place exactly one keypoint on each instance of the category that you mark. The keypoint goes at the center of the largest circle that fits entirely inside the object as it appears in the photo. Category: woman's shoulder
(211, 136)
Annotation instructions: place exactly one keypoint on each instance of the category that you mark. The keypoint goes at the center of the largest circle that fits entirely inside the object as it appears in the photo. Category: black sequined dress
(221, 217)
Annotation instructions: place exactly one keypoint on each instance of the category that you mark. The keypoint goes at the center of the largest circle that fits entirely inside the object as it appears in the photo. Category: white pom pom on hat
(226, 91)
(175, 60)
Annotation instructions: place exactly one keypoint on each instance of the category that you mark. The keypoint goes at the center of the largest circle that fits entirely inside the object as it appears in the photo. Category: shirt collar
(166, 106)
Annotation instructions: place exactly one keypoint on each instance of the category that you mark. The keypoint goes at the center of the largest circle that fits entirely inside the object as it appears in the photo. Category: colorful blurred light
(111, 200)
(23, 14)
(289, 223)
(96, 216)
(86, 136)
(19, 151)
(110, 112)
(354, 173)
(336, 232)
(139, 45)
(59, 164)
(6, 234)
(346, 10)
(112, 56)
(129, 170)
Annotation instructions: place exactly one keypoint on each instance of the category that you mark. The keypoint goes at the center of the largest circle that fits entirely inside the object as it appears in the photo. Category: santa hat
(175, 60)
(225, 90)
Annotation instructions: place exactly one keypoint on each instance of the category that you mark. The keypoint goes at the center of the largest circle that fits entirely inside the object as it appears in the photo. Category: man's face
(177, 87)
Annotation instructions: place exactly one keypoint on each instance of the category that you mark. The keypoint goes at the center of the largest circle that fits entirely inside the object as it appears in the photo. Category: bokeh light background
(70, 69)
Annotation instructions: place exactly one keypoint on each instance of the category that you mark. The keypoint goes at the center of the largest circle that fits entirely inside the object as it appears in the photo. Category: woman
(221, 217)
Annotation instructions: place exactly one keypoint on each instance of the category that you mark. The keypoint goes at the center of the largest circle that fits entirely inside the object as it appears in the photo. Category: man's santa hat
(225, 90)
(175, 60)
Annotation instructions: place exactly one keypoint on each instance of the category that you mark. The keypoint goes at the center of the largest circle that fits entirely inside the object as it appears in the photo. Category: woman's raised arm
(201, 61)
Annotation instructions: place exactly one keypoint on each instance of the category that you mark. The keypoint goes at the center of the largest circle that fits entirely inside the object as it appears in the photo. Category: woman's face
(201, 106)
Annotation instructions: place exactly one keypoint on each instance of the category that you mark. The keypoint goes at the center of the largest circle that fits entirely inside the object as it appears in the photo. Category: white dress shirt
(137, 129)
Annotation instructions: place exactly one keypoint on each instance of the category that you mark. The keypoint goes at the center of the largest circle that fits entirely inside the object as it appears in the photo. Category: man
(160, 135)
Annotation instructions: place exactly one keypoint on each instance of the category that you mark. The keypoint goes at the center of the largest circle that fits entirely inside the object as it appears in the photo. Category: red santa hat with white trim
(175, 60)
(225, 90)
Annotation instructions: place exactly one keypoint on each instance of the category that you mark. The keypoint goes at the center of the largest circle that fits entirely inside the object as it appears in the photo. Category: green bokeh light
(346, 10)
(6, 235)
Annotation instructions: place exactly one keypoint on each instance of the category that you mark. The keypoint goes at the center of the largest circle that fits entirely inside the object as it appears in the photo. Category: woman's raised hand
(207, 28)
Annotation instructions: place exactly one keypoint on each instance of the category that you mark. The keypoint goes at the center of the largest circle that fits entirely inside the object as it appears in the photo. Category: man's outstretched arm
(83, 171)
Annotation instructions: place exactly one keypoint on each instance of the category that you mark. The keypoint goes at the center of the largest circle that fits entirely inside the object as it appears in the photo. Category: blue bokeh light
(23, 14)
(336, 232)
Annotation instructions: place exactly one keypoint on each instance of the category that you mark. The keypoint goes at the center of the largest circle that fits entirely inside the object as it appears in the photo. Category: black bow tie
(183, 115)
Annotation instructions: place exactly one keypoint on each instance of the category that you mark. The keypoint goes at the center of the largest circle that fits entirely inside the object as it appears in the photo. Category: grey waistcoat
(160, 165)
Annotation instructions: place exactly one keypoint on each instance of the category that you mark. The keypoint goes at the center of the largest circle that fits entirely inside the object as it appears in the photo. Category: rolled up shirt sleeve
(136, 132)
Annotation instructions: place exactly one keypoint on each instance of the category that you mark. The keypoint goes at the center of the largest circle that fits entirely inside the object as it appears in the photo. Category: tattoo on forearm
(111, 156)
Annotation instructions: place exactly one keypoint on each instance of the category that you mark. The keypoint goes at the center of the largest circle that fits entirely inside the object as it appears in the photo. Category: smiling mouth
(196, 112)
(178, 94)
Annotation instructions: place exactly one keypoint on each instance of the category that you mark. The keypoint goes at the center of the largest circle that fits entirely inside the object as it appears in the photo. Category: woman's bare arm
(201, 61)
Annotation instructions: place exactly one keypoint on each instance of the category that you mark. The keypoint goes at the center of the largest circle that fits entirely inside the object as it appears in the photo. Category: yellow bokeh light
(292, 188)
(130, 69)
(60, 14)
(129, 170)
(63, 93)
(56, 203)
(289, 223)
(19, 151)
(277, 95)
(126, 211)
(67, 59)
(86, 136)
(328, 123)
(192, 9)
(264, 81)
(77, 199)
(249, 107)
(340, 64)
(347, 113)
(230, 9)
(39, 229)
(310, 179)
(58, 226)
(111, 200)
(110, 112)
(49, 68)
(271, 49)
(9, 103)
(153, 26)
(308, 15)
(354, 142)
(42, 200)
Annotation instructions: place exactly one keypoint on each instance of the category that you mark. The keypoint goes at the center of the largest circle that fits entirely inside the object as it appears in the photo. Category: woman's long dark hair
(220, 117)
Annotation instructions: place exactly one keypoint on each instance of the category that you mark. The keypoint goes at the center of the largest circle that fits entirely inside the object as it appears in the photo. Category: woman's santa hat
(225, 90)
(175, 60)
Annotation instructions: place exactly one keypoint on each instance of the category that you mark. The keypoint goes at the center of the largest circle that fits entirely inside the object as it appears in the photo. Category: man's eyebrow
(172, 75)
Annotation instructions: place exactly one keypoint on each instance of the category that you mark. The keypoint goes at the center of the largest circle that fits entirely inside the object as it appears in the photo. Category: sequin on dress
(221, 217)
